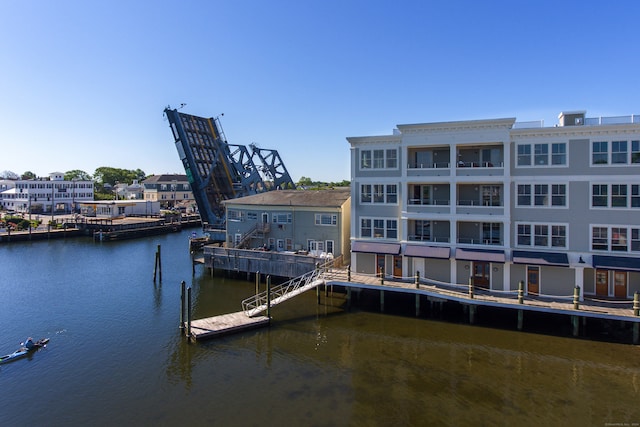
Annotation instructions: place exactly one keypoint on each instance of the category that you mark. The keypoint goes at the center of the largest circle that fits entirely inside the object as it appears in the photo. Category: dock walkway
(626, 311)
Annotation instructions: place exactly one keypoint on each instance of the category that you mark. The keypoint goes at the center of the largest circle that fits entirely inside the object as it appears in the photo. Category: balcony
(429, 231)
(486, 199)
(432, 161)
(480, 233)
(480, 160)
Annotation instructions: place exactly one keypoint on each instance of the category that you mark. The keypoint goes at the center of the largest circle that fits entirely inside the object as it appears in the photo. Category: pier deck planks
(212, 327)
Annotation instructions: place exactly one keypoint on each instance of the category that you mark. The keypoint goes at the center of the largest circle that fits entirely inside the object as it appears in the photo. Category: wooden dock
(216, 326)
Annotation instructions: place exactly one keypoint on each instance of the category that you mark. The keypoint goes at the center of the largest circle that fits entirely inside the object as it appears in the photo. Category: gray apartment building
(499, 201)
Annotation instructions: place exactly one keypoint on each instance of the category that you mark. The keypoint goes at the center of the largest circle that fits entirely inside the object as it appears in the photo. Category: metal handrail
(258, 303)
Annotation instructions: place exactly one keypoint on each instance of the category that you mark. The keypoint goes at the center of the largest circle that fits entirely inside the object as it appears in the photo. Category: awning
(376, 248)
(427, 251)
(616, 263)
(540, 258)
(480, 255)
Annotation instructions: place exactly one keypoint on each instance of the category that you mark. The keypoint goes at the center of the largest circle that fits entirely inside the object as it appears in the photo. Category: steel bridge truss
(219, 171)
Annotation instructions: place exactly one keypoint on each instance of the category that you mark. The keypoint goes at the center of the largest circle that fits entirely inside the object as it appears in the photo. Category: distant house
(317, 222)
(171, 190)
(133, 191)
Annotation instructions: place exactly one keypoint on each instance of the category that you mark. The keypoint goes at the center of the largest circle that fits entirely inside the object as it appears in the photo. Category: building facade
(291, 220)
(46, 196)
(171, 190)
(500, 202)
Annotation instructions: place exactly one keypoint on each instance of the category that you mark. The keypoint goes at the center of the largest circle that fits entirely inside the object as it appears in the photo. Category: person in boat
(29, 344)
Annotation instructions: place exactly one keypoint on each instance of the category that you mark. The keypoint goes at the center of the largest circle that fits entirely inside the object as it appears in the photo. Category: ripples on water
(116, 357)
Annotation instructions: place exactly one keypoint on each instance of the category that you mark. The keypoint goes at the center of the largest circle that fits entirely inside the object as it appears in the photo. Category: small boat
(23, 351)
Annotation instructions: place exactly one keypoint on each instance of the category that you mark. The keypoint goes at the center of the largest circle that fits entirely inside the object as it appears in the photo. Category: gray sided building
(499, 202)
(316, 222)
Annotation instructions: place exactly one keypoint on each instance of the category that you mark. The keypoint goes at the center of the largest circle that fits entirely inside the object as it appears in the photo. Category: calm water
(116, 356)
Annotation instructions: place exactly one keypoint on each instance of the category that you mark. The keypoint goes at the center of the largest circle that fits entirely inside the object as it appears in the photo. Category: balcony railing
(477, 241)
(423, 238)
(428, 202)
(462, 164)
(434, 165)
(614, 120)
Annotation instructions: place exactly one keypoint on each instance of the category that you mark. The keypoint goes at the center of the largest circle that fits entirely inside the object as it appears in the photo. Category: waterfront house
(171, 190)
(285, 233)
(45, 195)
(291, 220)
(500, 202)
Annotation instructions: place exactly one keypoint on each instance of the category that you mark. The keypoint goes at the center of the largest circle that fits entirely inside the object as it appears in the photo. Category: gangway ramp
(260, 302)
(249, 317)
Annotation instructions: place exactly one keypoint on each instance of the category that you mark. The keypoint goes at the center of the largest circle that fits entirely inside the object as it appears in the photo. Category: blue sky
(84, 83)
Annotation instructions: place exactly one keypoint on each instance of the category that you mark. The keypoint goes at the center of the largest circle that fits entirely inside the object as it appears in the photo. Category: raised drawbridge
(220, 171)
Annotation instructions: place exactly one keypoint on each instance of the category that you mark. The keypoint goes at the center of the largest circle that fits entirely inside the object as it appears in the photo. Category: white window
(544, 195)
(541, 235)
(615, 196)
(542, 155)
(379, 159)
(379, 193)
(615, 238)
(234, 215)
(379, 228)
(281, 218)
(326, 219)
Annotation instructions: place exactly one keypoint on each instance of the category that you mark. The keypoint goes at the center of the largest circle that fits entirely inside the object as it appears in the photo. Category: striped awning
(427, 251)
(376, 247)
(540, 258)
(489, 255)
(616, 263)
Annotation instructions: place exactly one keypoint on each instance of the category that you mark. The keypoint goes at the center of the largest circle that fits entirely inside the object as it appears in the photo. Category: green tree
(304, 181)
(28, 175)
(77, 174)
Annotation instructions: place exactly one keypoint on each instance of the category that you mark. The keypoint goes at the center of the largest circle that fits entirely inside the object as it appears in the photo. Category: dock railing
(259, 302)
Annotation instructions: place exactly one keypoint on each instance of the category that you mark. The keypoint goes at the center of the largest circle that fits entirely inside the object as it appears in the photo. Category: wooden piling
(636, 304)
(382, 275)
(269, 297)
(520, 319)
(158, 266)
(521, 292)
(183, 286)
(348, 273)
(471, 287)
(417, 280)
(576, 298)
(257, 282)
(575, 321)
(188, 330)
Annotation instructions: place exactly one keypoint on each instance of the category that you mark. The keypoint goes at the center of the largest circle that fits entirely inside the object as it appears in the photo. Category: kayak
(23, 351)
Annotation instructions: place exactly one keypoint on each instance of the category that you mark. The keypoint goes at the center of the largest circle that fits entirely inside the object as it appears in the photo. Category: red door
(620, 284)
(481, 274)
(602, 283)
(397, 266)
(533, 280)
